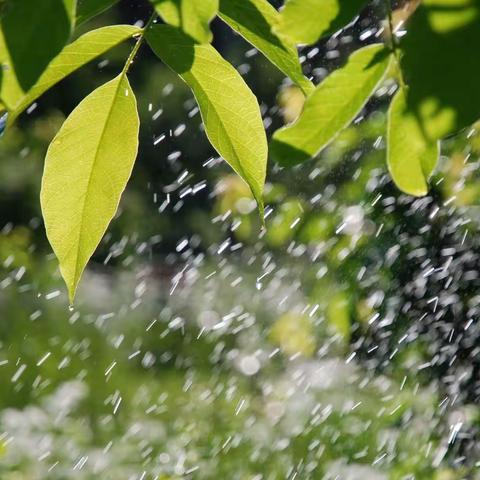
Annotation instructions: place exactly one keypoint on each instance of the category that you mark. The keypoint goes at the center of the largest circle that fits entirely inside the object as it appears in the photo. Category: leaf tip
(72, 289)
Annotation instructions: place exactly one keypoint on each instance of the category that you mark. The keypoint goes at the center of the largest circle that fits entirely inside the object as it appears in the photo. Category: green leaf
(192, 16)
(32, 33)
(86, 48)
(411, 158)
(332, 106)
(87, 168)
(254, 20)
(88, 9)
(441, 65)
(229, 109)
(306, 21)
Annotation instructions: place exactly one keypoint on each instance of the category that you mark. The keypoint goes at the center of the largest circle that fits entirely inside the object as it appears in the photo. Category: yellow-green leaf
(411, 158)
(87, 168)
(332, 106)
(254, 20)
(306, 21)
(192, 16)
(83, 50)
(229, 109)
(32, 33)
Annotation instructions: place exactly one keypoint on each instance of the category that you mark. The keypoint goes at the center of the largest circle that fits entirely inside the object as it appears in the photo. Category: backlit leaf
(87, 168)
(254, 20)
(306, 21)
(229, 109)
(32, 33)
(192, 16)
(331, 107)
(83, 50)
(411, 158)
(441, 65)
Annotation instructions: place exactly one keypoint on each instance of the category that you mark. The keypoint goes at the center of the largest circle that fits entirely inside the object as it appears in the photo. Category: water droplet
(3, 122)
(249, 365)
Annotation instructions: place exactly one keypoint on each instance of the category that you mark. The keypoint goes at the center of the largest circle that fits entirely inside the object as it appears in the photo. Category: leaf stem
(138, 44)
(392, 43)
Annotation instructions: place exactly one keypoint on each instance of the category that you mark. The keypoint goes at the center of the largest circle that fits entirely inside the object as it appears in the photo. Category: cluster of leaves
(90, 160)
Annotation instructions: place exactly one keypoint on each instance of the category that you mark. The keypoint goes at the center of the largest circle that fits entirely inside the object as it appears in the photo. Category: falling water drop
(3, 122)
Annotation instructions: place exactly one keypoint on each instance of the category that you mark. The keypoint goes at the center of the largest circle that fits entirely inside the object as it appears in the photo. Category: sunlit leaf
(88, 9)
(32, 33)
(229, 109)
(411, 158)
(83, 50)
(192, 16)
(254, 20)
(87, 168)
(332, 106)
(441, 66)
(306, 21)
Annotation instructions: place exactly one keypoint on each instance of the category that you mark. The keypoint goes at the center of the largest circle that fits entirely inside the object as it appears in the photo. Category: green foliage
(440, 65)
(87, 168)
(192, 16)
(26, 47)
(254, 20)
(157, 411)
(333, 105)
(186, 413)
(229, 109)
(435, 101)
(83, 50)
(411, 157)
(305, 21)
(87, 9)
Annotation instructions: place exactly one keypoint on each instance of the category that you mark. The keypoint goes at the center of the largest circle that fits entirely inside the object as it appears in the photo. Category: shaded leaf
(88, 9)
(332, 106)
(254, 20)
(229, 109)
(306, 21)
(32, 33)
(411, 158)
(192, 16)
(441, 67)
(83, 50)
(87, 168)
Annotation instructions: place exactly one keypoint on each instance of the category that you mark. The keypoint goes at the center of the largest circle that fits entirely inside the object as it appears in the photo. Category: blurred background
(342, 342)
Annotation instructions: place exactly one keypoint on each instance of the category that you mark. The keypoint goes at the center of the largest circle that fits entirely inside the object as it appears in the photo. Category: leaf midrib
(242, 172)
(90, 175)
